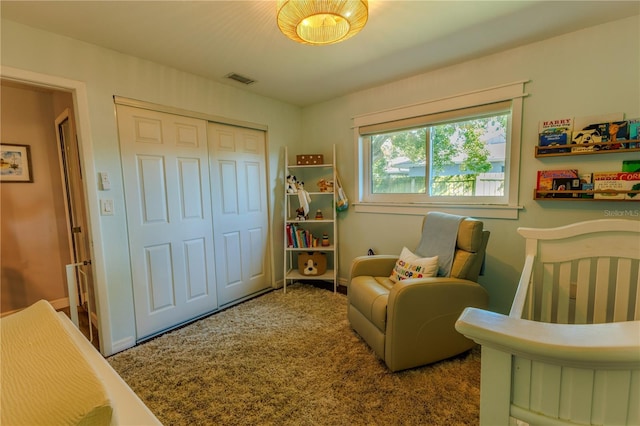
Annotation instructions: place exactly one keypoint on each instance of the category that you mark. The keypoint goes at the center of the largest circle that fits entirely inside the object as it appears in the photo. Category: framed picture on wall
(15, 163)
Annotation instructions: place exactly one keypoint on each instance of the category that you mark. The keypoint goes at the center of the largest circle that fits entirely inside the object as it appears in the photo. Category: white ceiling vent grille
(240, 78)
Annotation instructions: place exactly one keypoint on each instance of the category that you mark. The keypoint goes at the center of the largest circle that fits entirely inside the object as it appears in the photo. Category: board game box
(619, 183)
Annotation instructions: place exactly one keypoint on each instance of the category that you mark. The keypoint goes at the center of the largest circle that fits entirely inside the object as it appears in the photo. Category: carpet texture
(292, 359)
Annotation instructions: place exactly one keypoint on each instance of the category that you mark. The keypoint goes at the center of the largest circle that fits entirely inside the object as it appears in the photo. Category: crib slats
(576, 395)
(545, 388)
(521, 393)
(602, 290)
(634, 395)
(585, 291)
(547, 292)
(564, 293)
(610, 397)
(636, 315)
(582, 291)
(623, 282)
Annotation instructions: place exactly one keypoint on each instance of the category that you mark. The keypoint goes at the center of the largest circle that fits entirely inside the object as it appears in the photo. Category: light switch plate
(106, 207)
(105, 181)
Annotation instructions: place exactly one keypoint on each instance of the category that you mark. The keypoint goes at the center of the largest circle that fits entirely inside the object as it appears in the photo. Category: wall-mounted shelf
(603, 148)
(548, 195)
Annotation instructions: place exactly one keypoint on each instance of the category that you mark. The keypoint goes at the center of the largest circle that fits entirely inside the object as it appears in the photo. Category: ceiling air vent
(240, 78)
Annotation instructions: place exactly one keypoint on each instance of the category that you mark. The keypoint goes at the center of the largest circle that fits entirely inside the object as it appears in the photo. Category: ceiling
(402, 38)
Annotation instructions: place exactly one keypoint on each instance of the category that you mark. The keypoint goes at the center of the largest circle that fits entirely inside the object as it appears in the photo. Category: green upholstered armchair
(412, 322)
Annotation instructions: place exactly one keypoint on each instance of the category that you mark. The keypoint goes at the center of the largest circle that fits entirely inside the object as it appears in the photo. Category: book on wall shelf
(607, 133)
(632, 166)
(551, 180)
(634, 133)
(616, 185)
(599, 132)
(555, 133)
(604, 186)
(565, 187)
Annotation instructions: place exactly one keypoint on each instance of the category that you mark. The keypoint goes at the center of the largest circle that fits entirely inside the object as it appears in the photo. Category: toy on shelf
(292, 184)
(325, 185)
(304, 199)
(300, 214)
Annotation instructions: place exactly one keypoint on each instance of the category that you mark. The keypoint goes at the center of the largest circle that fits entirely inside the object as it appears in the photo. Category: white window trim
(513, 91)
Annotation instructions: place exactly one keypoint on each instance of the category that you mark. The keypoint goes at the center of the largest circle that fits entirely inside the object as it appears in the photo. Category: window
(457, 151)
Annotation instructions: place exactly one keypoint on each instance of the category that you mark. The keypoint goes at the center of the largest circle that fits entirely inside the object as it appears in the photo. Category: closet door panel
(240, 212)
(166, 178)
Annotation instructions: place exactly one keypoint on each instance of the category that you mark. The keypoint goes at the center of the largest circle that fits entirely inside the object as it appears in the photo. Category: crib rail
(569, 351)
(543, 373)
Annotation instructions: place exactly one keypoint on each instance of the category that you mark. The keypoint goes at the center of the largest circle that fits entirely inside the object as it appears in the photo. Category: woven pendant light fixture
(321, 21)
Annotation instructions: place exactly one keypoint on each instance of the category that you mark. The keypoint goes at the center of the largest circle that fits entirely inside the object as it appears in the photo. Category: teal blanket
(439, 236)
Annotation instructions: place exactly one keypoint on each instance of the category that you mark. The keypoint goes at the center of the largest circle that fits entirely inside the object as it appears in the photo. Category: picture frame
(15, 163)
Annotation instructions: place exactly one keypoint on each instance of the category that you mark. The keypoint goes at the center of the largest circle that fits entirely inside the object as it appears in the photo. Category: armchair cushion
(410, 265)
(470, 248)
(470, 235)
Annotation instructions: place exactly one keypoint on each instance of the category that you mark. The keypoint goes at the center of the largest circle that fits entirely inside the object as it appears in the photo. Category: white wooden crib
(569, 351)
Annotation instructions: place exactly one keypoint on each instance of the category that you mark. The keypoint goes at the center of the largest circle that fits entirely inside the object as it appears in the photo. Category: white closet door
(166, 178)
(240, 210)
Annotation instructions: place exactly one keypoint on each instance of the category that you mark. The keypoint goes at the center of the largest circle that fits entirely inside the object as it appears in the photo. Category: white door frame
(78, 92)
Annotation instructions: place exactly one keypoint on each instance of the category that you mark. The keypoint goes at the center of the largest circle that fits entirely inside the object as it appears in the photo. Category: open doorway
(79, 272)
(44, 222)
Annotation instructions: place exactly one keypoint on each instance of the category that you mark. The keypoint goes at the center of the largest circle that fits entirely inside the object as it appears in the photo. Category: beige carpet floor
(292, 359)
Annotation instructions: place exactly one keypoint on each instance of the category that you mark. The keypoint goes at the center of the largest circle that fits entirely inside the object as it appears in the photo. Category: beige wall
(35, 246)
(584, 73)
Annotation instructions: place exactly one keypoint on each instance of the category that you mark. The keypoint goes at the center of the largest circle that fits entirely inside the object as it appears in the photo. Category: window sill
(486, 211)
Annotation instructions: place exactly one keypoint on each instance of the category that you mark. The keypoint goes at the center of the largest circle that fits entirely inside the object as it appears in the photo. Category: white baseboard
(123, 344)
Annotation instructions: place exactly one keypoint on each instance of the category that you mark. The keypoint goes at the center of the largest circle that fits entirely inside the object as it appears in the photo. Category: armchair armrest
(433, 296)
(379, 265)
(421, 316)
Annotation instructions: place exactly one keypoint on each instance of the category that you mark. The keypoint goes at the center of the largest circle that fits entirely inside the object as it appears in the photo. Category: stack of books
(298, 237)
